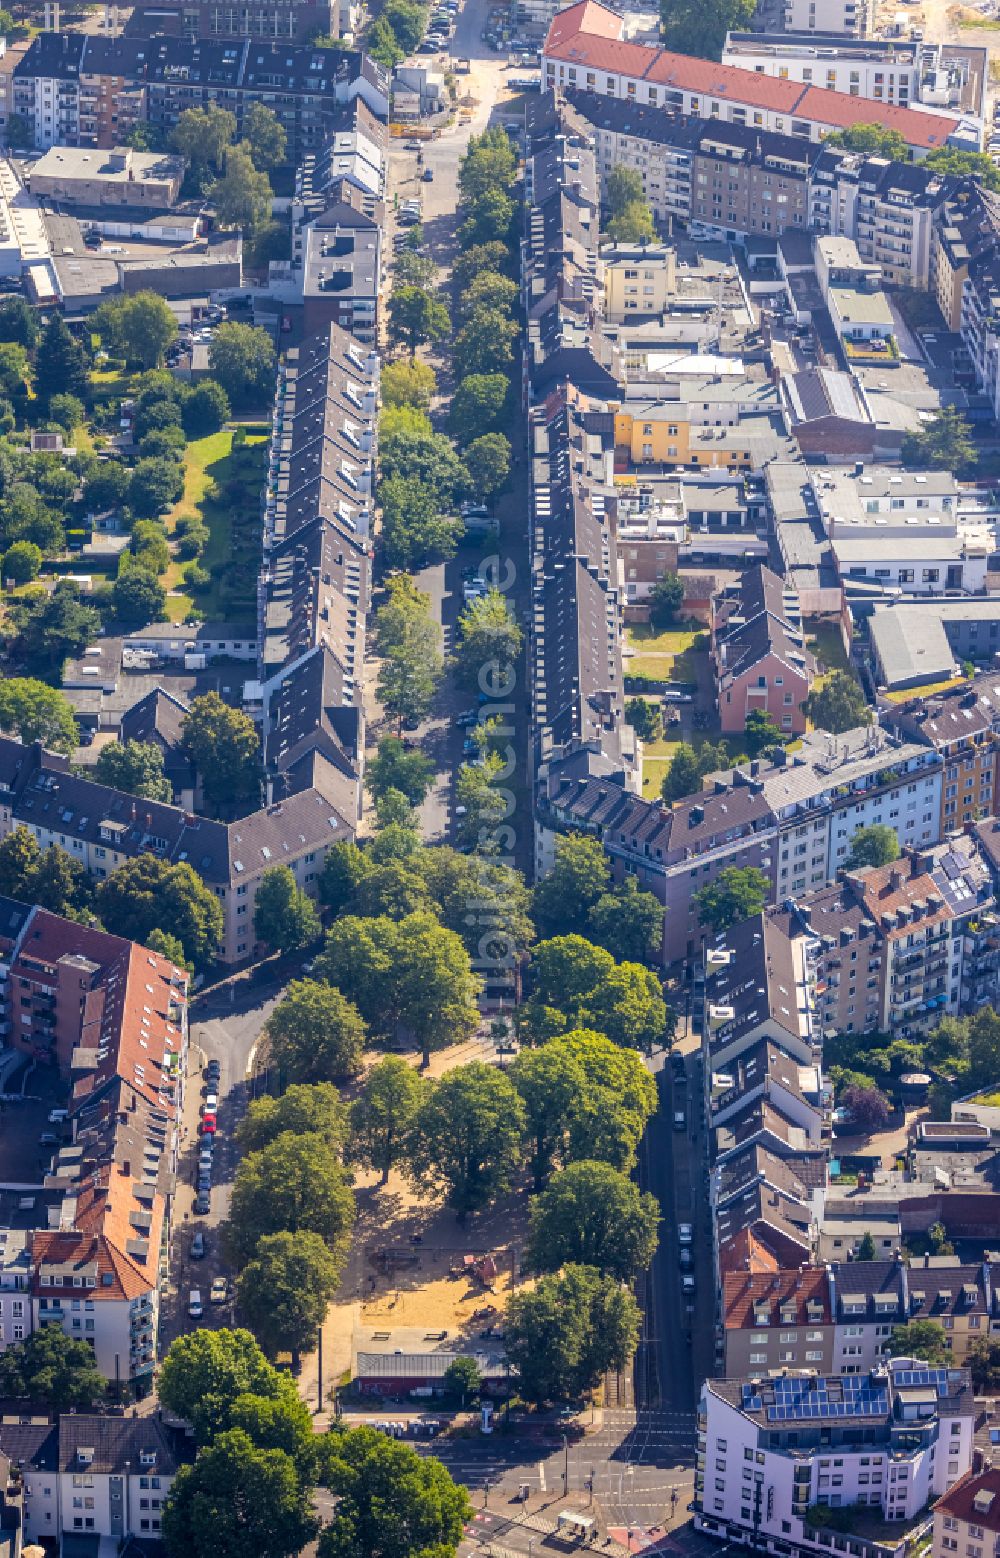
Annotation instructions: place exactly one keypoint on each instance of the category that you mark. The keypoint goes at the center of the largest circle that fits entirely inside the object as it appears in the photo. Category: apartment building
(845, 18)
(963, 725)
(89, 1476)
(769, 1449)
(967, 1516)
(759, 656)
(91, 89)
(887, 208)
(898, 70)
(585, 48)
(965, 233)
(280, 21)
(694, 419)
(777, 1319)
(111, 1017)
(764, 1206)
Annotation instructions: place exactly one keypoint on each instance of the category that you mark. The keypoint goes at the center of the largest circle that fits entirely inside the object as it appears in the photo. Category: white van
(194, 1304)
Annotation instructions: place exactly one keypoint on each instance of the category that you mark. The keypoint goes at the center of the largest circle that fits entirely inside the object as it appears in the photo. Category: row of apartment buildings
(85, 89)
(85, 1228)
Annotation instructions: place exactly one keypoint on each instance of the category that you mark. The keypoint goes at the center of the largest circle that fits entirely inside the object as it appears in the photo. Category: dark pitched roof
(115, 1443)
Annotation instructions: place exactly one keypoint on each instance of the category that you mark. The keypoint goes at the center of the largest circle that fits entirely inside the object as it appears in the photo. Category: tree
(19, 857)
(59, 883)
(60, 363)
(489, 640)
(408, 384)
(580, 875)
(344, 867)
(22, 562)
(294, 1184)
(280, 1422)
(466, 1137)
(20, 131)
(634, 224)
(302, 1108)
(236, 1500)
(953, 162)
(866, 1248)
(169, 947)
(205, 1372)
(983, 1358)
(942, 444)
(383, 1113)
(416, 316)
(839, 704)
(683, 775)
(410, 448)
(584, 1097)
(500, 930)
(491, 256)
(54, 628)
(19, 322)
(68, 411)
(485, 805)
(485, 343)
(564, 1334)
(284, 917)
(489, 290)
(480, 405)
(390, 1501)
(413, 269)
(394, 768)
(592, 1215)
(242, 359)
(138, 597)
(414, 531)
(224, 747)
(874, 140)
(869, 1107)
(628, 922)
(737, 894)
(382, 45)
(462, 1380)
(135, 767)
(31, 711)
(488, 462)
(285, 1291)
(107, 487)
(489, 163)
(206, 408)
(148, 893)
(148, 545)
(157, 481)
(628, 1006)
(665, 600)
(139, 327)
(645, 719)
(983, 1048)
(409, 643)
(876, 845)
(52, 1367)
(265, 134)
(762, 731)
(314, 1034)
(204, 135)
(623, 186)
(242, 196)
(924, 1339)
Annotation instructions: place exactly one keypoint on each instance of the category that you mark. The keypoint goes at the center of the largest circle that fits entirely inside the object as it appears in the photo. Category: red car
(209, 1124)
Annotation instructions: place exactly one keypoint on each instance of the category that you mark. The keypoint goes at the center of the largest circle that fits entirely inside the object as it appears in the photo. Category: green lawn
(825, 642)
(223, 486)
(906, 694)
(674, 655)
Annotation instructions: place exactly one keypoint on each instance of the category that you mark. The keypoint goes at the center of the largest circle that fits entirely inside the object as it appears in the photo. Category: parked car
(202, 1204)
(685, 1233)
(687, 1283)
(680, 1120)
(195, 1309)
(219, 1291)
(428, 175)
(198, 1246)
(213, 1070)
(686, 1259)
(209, 1124)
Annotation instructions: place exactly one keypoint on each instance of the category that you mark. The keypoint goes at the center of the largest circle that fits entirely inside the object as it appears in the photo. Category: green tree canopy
(303, 1107)
(294, 1184)
(628, 922)
(242, 360)
(953, 161)
(315, 1034)
(944, 443)
(284, 917)
(390, 1501)
(489, 289)
(592, 1215)
(31, 711)
(383, 1113)
(489, 163)
(409, 642)
(491, 256)
(205, 409)
(488, 462)
(665, 600)
(466, 1136)
(485, 343)
(138, 597)
(204, 135)
(924, 1339)
(285, 1290)
(416, 316)
(462, 1380)
(480, 404)
(876, 845)
(265, 134)
(60, 364)
(582, 986)
(205, 1372)
(645, 719)
(22, 562)
(52, 1367)
(223, 744)
(139, 327)
(54, 628)
(566, 1332)
(242, 196)
(489, 641)
(762, 731)
(414, 530)
(236, 1500)
(149, 893)
(872, 139)
(394, 768)
(580, 875)
(738, 893)
(839, 704)
(136, 767)
(408, 384)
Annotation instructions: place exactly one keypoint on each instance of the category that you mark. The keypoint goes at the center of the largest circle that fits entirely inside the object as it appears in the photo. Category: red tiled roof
(745, 1252)
(960, 1500)
(741, 1290)
(583, 35)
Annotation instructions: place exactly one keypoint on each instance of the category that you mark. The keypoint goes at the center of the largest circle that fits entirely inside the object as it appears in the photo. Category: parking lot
(24, 1121)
